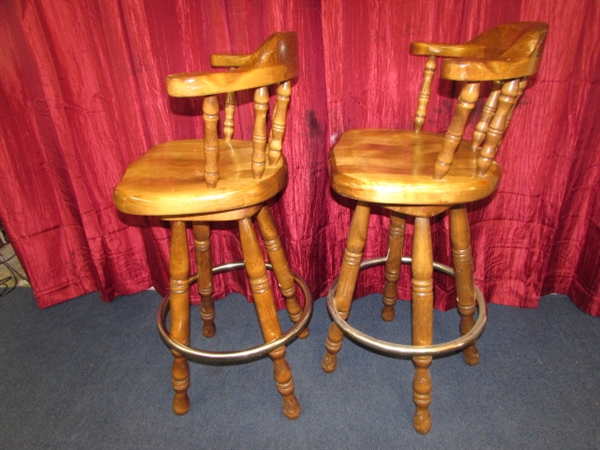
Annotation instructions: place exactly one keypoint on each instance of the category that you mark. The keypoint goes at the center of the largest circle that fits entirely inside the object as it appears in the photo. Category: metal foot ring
(409, 350)
(197, 355)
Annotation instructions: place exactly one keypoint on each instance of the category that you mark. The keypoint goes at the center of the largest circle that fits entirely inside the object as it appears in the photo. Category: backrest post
(210, 109)
(284, 91)
(466, 102)
(489, 109)
(522, 86)
(425, 94)
(498, 125)
(228, 123)
(259, 135)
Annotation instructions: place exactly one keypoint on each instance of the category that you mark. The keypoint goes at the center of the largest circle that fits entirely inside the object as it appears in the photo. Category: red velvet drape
(82, 94)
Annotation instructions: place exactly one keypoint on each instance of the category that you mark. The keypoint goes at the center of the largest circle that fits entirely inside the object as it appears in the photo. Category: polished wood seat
(401, 158)
(421, 174)
(219, 178)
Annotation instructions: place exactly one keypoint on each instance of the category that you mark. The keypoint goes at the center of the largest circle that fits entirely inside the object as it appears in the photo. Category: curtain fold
(83, 94)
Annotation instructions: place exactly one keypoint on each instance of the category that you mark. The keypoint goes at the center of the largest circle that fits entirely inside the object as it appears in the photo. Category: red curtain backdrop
(82, 95)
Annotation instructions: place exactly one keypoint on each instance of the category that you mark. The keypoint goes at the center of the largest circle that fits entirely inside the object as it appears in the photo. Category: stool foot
(181, 404)
(304, 333)
(329, 362)
(388, 313)
(422, 421)
(181, 383)
(207, 313)
(209, 329)
(422, 394)
(471, 355)
(291, 407)
(333, 344)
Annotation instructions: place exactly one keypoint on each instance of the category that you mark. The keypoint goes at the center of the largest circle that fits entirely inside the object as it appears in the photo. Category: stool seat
(395, 167)
(169, 180)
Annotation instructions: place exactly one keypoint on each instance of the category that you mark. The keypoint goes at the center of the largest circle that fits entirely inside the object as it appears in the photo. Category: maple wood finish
(222, 179)
(422, 174)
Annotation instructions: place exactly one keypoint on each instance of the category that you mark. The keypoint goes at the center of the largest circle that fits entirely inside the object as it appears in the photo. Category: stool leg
(267, 315)
(392, 266)
(281, 267)
(355, 245)
(179, 267)
(205, 277)
(422, 320)
(463, 270)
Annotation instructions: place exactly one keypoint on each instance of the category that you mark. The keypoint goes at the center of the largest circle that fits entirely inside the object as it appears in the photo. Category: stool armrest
(198, 84)
(447, 50)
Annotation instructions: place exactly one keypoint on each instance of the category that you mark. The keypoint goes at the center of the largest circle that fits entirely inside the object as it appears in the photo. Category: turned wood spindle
(392, 266)
(463, 274)
(205, 277)
(229, 123)
(425, 93)
(281, 266)
(267, 315)
(466, 102)
(521, 90)
(210, 108)
(284, 91)
(422, 320)
(497, 126)
(489, 109)
(179, 268)
(259, 135)
(347, 282)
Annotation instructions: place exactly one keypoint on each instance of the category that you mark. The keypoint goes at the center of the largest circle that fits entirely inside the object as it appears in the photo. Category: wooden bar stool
(421, 175)
(214, 180)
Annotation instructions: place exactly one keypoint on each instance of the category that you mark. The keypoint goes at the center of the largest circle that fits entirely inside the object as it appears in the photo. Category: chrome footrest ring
(409, 350)
(204, 356)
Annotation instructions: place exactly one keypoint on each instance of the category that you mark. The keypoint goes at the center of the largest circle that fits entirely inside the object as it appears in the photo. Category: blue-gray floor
(91, 375)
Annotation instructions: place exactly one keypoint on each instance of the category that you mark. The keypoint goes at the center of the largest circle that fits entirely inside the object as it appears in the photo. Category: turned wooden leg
(179, 267)
(205, 277)
(392, 266)
(422, 320)
(267, 315)
(463, 272)
(281, 267)
(355, 245)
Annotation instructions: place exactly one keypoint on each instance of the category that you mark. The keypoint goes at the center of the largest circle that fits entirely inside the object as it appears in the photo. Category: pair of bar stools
(407, 173)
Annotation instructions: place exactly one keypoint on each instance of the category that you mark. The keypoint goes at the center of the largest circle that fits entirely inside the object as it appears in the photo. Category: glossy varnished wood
(506, 42)
(378, 165)
(179, 268)
(392, 266)
(348, 276)
(423, 174)
(281, 266)
(205, 277)
(276, 60)
(463, 271)
(170, 180)
(422, 320)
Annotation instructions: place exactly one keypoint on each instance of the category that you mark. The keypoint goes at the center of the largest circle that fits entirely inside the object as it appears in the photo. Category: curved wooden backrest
(505, 55)
(275, 62)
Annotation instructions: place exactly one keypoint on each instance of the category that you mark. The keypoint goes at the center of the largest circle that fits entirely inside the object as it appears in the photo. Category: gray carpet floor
(91, 375)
